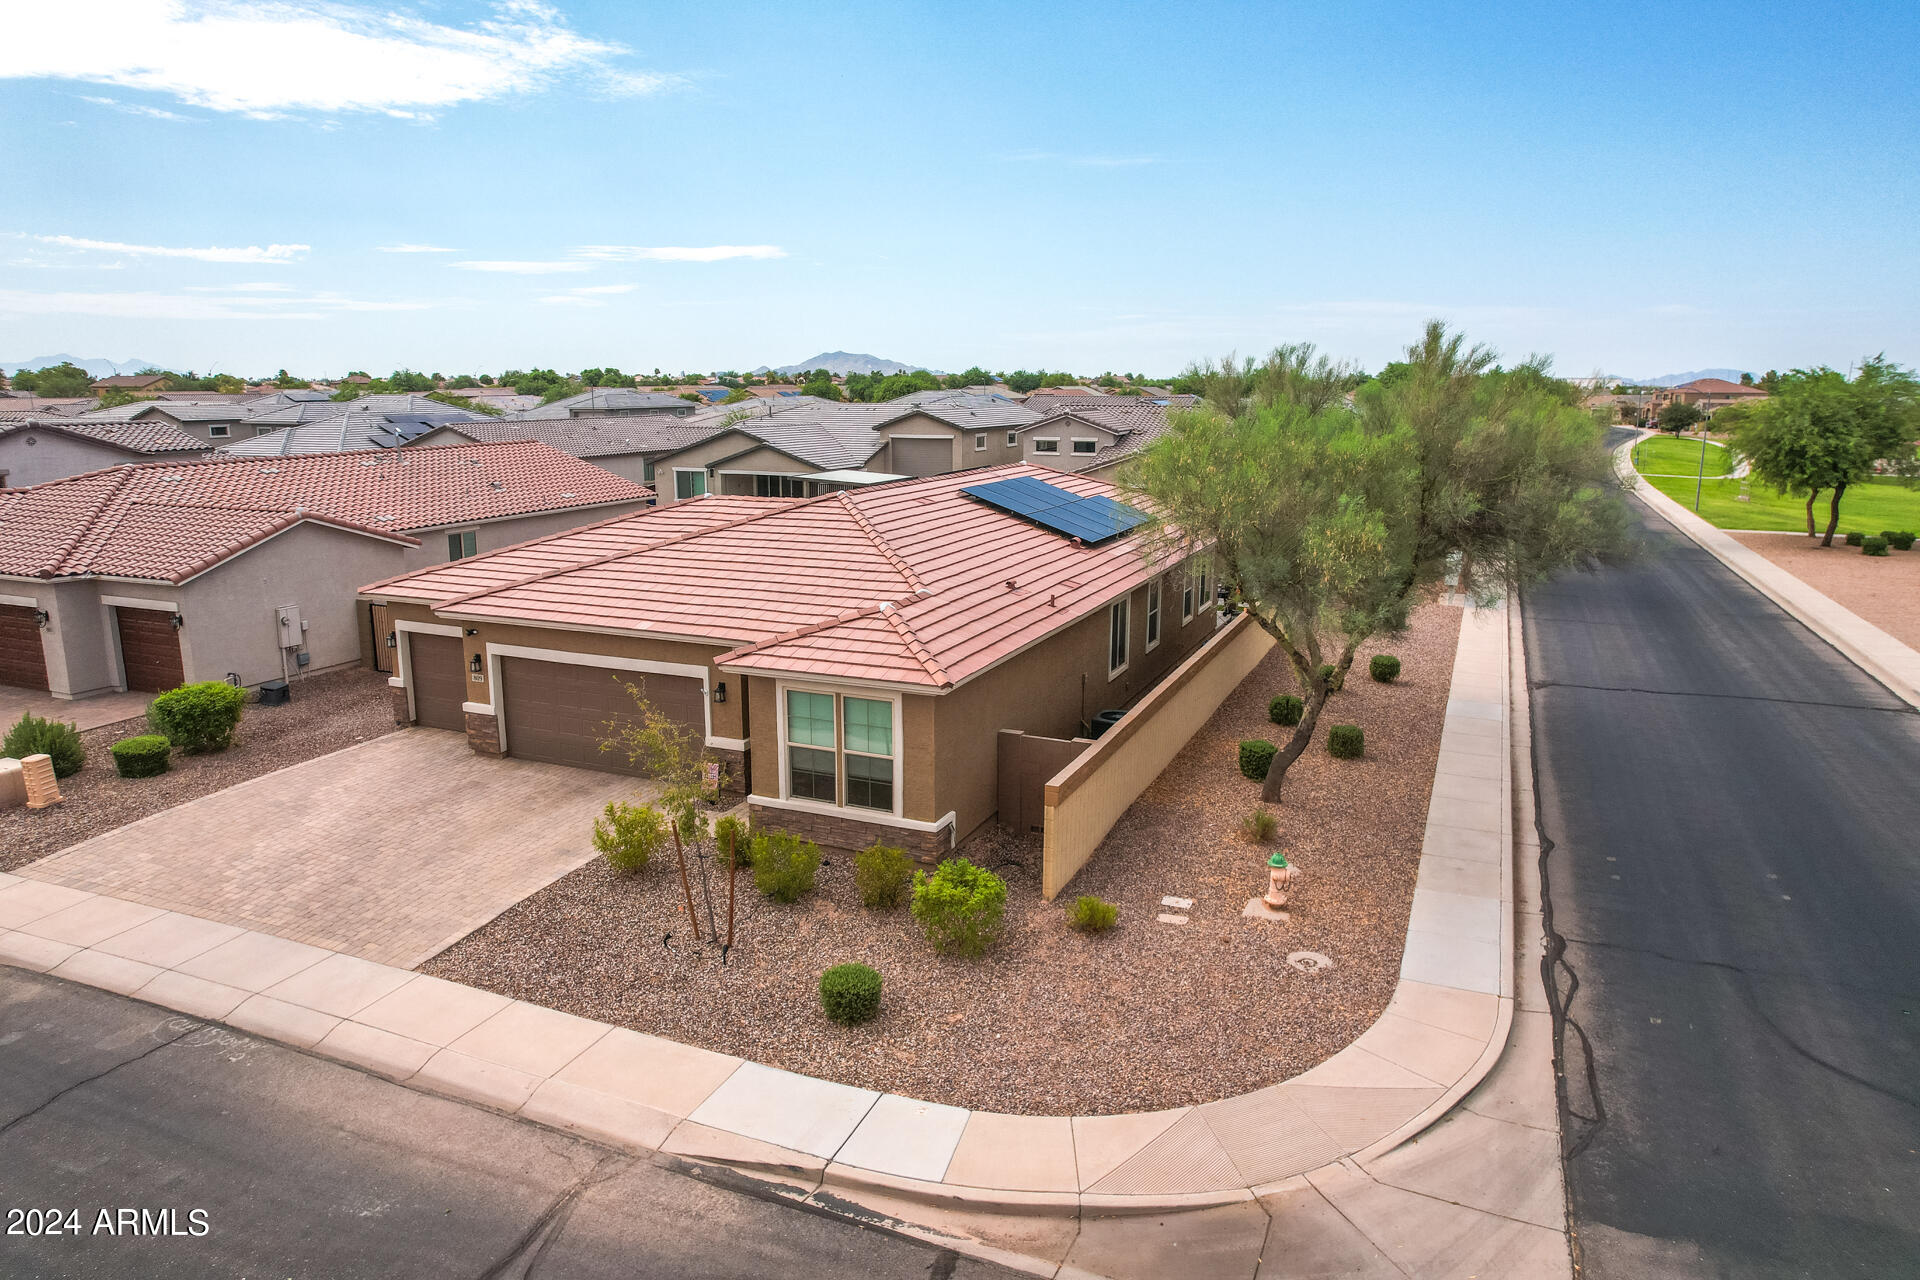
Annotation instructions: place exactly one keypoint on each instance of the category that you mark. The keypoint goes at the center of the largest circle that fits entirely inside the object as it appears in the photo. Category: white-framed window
(1153, 613)
(1046, 444)
(980, 442)
(219, 431)
(1118, 621)
(1085, 444)
(689, 482)
(461, 545)
(778, 486)
(1013, 438)
(842, 749)
(646, 473)
(1189, 590)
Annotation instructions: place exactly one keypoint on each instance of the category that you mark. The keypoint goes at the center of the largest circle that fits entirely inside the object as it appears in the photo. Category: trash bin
(274, 693)
(1105, 720)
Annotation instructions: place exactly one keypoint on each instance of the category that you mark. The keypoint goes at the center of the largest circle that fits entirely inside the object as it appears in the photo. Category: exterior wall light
(391, 642)
(474, 666)
(177, 621)
(41, 617)
(720, 692)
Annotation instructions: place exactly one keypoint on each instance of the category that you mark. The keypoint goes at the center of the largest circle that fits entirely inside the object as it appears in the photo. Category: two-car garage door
(560, 712)
(23, 658)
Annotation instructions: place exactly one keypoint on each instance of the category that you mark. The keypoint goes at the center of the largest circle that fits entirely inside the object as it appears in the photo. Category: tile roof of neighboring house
(178, 410)
(989, 413)
(132, 437)
(347, 432)
(1134, 424)
(303, 411)
(911, 583)
(58, 406)
(600, 437)
(172, 520)
(130, 381)
(1047, 393)
(610, 400)
(1719, 387)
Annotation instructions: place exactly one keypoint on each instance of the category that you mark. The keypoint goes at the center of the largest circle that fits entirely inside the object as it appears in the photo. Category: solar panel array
(1091, 520)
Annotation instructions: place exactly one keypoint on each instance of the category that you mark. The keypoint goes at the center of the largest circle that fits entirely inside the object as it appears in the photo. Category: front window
(1153, 613)
(689, 484)
(646, 473)
(1045, 444)
(220, 431)
(779, 487)
(980, 443)
(810, 764)
(1188, 588)
(1013, 438)
(869, 749)
(1117, 638)
(460, 545)
(1083, 445)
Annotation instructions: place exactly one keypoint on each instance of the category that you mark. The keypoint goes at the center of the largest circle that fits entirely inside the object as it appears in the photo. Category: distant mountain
(1675, 379)
(843, 363)
(94, 365)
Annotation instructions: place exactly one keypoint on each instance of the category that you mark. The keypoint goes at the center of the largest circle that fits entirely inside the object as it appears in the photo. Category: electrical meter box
(287, 617)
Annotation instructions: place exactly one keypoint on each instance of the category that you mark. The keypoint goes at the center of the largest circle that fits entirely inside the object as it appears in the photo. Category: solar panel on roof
(1089, 520)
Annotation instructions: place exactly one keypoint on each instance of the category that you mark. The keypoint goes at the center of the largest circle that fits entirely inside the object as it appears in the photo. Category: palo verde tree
(1821, 432)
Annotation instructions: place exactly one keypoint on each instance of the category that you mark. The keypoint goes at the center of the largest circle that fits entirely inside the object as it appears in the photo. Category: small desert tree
(660, 747)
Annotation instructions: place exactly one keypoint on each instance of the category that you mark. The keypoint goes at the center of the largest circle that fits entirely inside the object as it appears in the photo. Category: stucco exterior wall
(35, 457)
(695, 457)
(1065, 432)
(494, 534)
(81, 651)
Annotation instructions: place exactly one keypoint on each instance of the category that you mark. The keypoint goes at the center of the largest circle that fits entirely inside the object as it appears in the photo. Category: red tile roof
(911, 583)
(134, 437)
(173, 520)
(1719, 387)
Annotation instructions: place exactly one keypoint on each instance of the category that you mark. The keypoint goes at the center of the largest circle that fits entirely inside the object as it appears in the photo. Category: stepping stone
(1178, 904)
(1167, 918)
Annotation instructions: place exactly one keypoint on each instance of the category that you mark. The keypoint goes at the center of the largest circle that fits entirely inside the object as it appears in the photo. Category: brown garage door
(437, 668)
(149, 649)
(559, 711)
(23, 658)
(922, 457)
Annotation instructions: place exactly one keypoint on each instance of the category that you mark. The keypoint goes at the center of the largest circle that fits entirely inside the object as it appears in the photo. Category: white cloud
(414, 248)
(269, 58)
(191, 306)
(605, 288)
(524, 268)
(273, 254)
(135, 109)
(701, 253)
(571, 300)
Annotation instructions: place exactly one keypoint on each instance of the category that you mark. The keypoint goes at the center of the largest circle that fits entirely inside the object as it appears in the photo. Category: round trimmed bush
(884, 876)
(198, 717)
(1346, 742)
(1384, 667)
(784, 865)
(1093, 915)
(1873, 546)
(850, 993)
(32, 736)
(1901, 541)
(142, 756)
(960, 906)
(1256, 757)
(1286, 710)
(1855, 538)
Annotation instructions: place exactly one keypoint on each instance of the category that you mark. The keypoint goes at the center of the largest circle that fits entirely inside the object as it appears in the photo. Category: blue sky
(1638, 189)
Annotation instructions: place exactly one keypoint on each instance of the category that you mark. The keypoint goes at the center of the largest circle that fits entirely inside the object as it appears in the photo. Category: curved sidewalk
(1442, 1033)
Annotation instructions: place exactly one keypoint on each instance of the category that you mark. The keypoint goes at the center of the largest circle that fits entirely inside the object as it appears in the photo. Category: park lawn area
(1680, 457)
(1871, 507)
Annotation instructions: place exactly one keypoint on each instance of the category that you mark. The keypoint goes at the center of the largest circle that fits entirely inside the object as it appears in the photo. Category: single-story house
(850, 659)
(141, 577)
(613, 402)
(36, 450)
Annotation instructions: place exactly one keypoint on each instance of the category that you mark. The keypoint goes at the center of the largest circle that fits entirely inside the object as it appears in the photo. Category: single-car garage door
(23, 658)
(922, 457)
(149, 649)
(437, 670)
(559, 711)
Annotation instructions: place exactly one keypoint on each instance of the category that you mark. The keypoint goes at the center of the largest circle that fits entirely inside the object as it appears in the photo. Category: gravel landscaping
(1885, 590)
(328, 712)
(1050, 1022)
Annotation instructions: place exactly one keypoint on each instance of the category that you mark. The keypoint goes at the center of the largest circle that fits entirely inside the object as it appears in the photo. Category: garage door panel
(560, 712)
(23, 654)
(437, 669)
(149, 649)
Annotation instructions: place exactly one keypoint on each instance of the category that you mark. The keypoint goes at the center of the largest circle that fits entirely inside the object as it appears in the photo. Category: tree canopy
(1677, 415)
(63, 379)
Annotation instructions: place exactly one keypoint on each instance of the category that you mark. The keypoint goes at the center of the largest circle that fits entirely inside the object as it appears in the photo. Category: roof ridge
(880, 543)
(118, 477)
(914, 646)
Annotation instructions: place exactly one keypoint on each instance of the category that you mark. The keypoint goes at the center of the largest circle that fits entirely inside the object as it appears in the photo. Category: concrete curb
(1443, 1032)
(1892, 663)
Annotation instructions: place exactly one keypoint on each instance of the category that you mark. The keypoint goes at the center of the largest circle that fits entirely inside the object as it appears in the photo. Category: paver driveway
(389, 850)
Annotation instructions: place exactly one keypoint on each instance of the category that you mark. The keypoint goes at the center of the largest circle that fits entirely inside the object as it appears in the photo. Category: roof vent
(493, 484)
(269, 471)
(369, 462)
(564, 495)
(384, 519)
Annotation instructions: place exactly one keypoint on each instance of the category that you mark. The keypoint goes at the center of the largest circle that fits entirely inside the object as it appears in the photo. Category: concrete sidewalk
(1328, 1150)
(1888, 660)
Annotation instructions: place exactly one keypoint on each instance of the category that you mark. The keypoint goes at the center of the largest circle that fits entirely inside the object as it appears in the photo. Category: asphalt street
(1733, 811)
(274, 1163)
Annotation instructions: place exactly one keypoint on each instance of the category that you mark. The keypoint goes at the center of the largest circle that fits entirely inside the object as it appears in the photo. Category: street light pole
(1700, 480)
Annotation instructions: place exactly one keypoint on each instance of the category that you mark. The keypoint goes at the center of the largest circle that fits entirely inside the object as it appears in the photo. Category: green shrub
(1093, 915)
(142, 756)
(1901, 541)
(1855, 539)
(1333, 676)
(1256, 757)
(1874, 546)
(32, 736)
(198, 717)
(850, 993)
(736, 834)
(1384, 667)
(1259, 826)
(961, 906)
(630, 834)
(884, 876)
(1346, 742)
(784, 865)
(1286, 710)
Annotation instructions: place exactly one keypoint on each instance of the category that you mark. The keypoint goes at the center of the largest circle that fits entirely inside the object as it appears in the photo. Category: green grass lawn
(1665, 453)
(1870, 507)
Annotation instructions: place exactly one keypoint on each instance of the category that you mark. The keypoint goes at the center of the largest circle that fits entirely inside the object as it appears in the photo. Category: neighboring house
(213, 422)
(613, 402)
(1706, 394)
(774, 390)
(37, 450)
(625, 445)
(850, 659)
(1094, 438)
(140, 577)
(137, 383)
(25, 403)
(354, 429)
(1044, 394)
